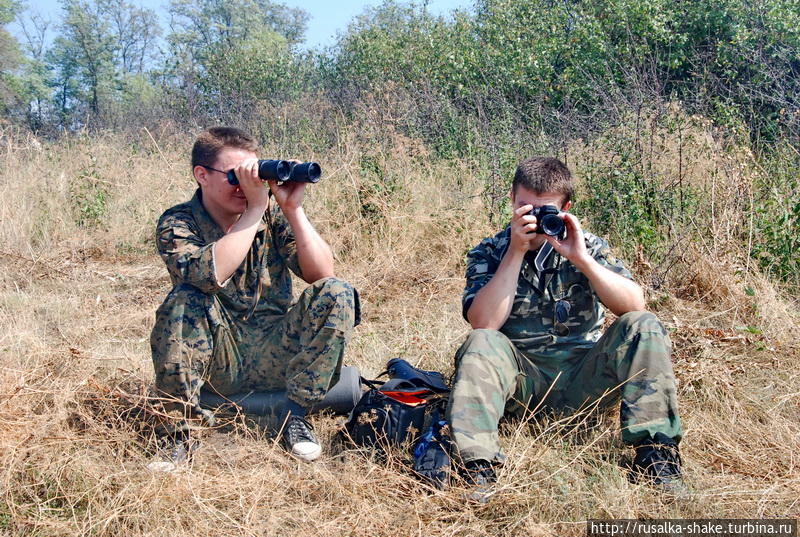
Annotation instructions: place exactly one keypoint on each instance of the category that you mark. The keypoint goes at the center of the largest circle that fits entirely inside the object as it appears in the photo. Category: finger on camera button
(519, 211)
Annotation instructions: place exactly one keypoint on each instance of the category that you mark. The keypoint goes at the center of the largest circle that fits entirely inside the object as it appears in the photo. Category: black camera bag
(389, 414)
(394, 413)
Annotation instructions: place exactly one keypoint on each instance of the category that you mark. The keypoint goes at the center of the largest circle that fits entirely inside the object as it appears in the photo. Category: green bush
(776, 243)
(89, 196)
(588, 57)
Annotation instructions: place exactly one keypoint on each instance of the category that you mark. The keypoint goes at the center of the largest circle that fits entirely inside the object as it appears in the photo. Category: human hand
(289, 194)
(251, 185)
(573, 246)
(523, 227)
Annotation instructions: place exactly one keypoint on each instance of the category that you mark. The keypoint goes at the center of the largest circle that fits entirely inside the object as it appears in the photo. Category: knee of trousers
(637, 322)
(487, 348)
(185, 310)
(334, 298)
(185, 296)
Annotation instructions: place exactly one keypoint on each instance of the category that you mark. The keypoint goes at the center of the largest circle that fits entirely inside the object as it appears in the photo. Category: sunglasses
(560, 316)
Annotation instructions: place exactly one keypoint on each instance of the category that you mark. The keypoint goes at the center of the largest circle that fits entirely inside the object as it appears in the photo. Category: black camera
(283, 170)
(548, 222)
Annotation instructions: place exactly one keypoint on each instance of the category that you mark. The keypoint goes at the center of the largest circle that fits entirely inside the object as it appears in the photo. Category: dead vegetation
(80, 283)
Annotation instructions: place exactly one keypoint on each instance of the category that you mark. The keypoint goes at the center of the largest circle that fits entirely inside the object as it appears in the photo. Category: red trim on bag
(408, 398)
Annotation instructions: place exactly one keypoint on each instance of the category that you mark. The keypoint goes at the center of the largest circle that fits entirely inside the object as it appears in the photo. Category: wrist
(294, 215)
(257, 199)
(252, 214)
(518, 248)
(256, 206)
(584, 262)
(514, 257)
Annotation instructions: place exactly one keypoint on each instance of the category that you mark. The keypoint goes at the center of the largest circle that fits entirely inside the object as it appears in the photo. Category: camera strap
(546, 264)
(541, 257)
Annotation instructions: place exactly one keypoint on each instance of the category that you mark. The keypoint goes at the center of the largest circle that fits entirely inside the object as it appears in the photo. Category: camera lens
(552, 225)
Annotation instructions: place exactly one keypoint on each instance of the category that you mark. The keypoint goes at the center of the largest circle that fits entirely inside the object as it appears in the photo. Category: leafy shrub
(776, 237)
(89, 196)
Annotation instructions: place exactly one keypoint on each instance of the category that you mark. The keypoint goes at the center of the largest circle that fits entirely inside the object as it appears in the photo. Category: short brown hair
(211, 142)
(544, 175)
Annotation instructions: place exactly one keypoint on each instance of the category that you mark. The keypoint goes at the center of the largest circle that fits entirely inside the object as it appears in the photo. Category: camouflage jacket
(185, 237)
(531, 324)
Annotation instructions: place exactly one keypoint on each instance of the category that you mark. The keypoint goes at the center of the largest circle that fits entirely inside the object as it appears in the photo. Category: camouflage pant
(494, 379)
(197, 341)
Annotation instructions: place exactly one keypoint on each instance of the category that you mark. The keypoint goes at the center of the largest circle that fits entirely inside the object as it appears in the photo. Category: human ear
(200, 175)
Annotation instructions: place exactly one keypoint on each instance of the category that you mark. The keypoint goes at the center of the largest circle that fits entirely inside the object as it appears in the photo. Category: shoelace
(663, 460)
(299, 430)
(481, 474)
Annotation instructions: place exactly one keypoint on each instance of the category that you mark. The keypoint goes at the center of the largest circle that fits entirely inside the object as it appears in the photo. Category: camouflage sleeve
(188, 258)
(481, 266)
(284, 239)
(599, 249)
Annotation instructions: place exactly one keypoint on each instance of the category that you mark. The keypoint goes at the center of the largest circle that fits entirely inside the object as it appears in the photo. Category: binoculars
(548, 222)
(283, 170)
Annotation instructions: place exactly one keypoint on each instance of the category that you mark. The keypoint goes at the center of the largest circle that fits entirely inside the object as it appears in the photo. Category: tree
(10, 56)
(101, 46)
(64, 79)
(135, 31)
(34, 77)
(203, 26)
(229, 54)
(86, 49)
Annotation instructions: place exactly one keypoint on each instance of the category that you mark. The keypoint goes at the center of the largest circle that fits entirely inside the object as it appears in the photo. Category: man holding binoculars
(229, 324)
(535, 298)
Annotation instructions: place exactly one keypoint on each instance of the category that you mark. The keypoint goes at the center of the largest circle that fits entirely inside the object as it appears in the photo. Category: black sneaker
(299, 439)
(480, 476)
(658, 462)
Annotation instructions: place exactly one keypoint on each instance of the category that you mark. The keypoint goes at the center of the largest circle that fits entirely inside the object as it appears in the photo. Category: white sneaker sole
(162, 466)
(307, 451)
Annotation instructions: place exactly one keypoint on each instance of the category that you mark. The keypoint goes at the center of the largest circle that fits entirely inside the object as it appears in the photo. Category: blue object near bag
(398, 368)
(431, 453)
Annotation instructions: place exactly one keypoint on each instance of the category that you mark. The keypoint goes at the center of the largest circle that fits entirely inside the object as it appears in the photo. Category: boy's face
(217, 192)
(522, 196)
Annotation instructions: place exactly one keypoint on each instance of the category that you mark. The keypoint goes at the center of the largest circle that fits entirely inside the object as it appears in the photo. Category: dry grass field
(80, 282)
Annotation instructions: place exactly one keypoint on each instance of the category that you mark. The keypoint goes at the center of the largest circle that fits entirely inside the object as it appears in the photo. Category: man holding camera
(535, 299)
(229, 324)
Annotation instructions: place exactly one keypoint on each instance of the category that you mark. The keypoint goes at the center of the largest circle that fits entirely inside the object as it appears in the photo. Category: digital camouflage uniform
(508, 371)
(244, 334)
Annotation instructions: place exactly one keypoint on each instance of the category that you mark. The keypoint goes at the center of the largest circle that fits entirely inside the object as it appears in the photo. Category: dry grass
(77, 303)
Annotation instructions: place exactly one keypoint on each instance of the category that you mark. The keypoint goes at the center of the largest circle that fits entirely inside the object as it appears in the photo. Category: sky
(326, 17)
